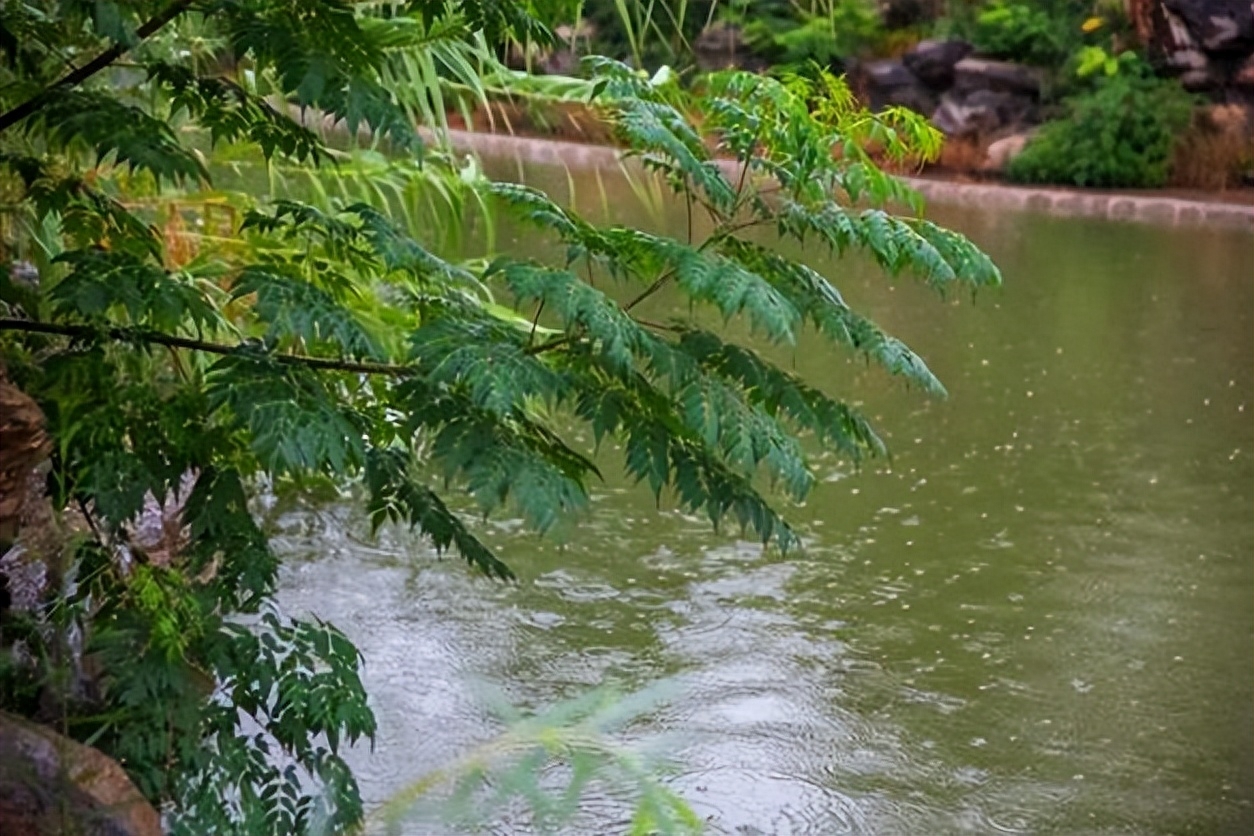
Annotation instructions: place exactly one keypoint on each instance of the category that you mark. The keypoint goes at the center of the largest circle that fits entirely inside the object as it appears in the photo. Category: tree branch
(658, 326)
(76, 77)
(550, 345)
(158, 338)
(531, 338)
(649, 291)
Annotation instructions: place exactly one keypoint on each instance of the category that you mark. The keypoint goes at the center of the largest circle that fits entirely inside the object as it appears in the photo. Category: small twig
(91, 522)
(178, 363)
(535, 321)
(688, 203)
(731, 229)
(658, 326)
(740, 186)
(549, 346)
(650, 290)
(744, 173)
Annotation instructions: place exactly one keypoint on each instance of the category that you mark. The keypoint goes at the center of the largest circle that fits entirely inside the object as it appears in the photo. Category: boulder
(1244, 75)
(956, 118)
(23, 444)
(932, 61)
(1219, 26)
(558, 62)
(982, 112)
(1188, 60)
(722, 46)
(1001, 152)
(888, 82)
(51, 784)
(1193, 67)
(903, 14)
(578, 37)
(562, 57)
(1001, 76)
(1201, 80)
(1011, 108)
(1225, 119)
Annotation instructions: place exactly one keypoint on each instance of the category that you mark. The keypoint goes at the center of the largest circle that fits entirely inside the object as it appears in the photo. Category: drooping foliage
(191, 350)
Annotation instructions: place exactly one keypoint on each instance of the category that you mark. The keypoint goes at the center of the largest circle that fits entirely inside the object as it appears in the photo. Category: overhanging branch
(76, 77)
(144, 335)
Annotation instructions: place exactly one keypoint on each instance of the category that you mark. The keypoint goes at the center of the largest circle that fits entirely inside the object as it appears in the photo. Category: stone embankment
(1169, 211)
(1154, 209)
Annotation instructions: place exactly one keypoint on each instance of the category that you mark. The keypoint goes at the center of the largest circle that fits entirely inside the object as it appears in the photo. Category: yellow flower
(1092, 24)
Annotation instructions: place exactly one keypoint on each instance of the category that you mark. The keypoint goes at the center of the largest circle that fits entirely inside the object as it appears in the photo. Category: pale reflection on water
(1038, 618)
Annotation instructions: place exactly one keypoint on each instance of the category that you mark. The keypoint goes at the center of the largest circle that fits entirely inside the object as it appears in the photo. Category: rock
(1001, 76)
(1001, 152)
(158, 529)
(23, 444)
(1220, 26)
(560, 62)
(1197, 81)
(902, 14)
(1194, 68)
(981, 112)
(1187, 60)
(25, 274)
(569, 43)
(51, 784)
(955, 118)
(570, 36)
(932, 61)
(1244, 75)
(1169, 42)
(888, 82)
(722, 46)
(1225, 119)
(1011, 108)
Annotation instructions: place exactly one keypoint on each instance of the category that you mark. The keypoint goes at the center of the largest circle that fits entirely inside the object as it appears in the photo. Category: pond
(1038, 617)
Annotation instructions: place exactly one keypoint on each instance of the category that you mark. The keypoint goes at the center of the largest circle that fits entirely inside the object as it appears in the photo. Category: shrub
(1119, 134)
(1019, 32)
(836, 30)
(1216, 152)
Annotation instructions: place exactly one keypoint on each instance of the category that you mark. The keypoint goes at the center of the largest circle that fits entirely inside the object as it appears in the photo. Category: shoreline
(1056, 201)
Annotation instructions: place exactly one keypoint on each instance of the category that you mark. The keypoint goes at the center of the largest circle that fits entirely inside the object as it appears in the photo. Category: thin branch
(531, 338)
(658, 326)
(688, 203)
(650, 290)
(730, 229)
(533, 350)
(95, 65)
(740, 186)
(91, 523)
(744, 171)
(226, 350)
(725, 230)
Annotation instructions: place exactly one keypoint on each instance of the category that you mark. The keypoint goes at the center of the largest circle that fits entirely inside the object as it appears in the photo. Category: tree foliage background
(190, 348)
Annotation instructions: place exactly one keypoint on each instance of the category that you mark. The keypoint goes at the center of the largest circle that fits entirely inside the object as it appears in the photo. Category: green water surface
(1038, 617)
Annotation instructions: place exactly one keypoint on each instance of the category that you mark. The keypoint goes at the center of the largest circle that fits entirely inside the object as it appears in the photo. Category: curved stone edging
(1169, 211)
(1149, 209)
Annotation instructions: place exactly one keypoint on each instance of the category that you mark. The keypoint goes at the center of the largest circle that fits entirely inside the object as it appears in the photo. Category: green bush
(1119, 134)
(1020, 32)
(838, 29)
